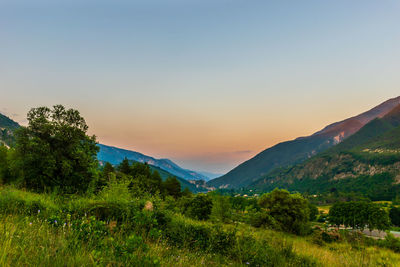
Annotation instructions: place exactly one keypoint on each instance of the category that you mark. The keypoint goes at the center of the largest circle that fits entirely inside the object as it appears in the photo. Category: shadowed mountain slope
(296, 151)
(368, 162)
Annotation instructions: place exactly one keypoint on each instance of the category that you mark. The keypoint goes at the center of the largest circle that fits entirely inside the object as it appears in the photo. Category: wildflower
(30, 223)
(38, 211)
(55, 221)
(248, 263)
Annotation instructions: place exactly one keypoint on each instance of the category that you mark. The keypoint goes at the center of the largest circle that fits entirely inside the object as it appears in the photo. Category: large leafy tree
(54, 150)
(290, 211)
(359, 215)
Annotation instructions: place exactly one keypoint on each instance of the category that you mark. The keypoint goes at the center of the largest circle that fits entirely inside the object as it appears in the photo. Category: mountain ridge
(367, 162)
(297, 150)
(7, 128)
(115, 155)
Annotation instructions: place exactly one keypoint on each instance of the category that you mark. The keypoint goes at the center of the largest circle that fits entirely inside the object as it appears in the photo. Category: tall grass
(116, 229)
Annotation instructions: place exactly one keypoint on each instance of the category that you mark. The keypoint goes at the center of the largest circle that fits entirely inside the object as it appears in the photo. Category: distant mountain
(210, 175)
(367, 162)
(7, 128)
(192, 186)
(296, 151)
(115, 155)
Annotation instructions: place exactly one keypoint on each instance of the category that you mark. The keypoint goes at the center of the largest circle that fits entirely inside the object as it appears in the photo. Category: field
(47, 230)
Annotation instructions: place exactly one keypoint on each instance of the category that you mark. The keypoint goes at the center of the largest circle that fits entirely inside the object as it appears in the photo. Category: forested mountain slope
(296, 151)
(7, 128)
(367, 162)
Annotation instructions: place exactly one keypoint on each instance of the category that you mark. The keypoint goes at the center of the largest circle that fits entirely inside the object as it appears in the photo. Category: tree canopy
(54, 150)
(359, 215)
(290, 211)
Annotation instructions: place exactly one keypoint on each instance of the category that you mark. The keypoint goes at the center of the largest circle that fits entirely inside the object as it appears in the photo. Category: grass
(335, 254)
(29, 238)
(325, 209)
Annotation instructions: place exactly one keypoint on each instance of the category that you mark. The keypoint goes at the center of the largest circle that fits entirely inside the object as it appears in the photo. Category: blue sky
(205, 83)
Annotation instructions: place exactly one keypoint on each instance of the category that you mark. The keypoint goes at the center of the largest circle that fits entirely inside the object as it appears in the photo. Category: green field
(48, 230)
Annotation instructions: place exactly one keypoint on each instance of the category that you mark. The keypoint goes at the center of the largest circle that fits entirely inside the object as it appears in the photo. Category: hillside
(367, 162)
(115, 155)
(296, 151)
(184, 183)
(7, 128)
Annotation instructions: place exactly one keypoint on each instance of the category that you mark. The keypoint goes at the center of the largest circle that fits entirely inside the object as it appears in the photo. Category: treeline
(55, 154)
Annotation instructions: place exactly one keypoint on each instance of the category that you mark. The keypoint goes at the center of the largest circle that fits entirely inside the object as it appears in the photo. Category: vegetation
(56, 209)
(359, 215)
(365, 163)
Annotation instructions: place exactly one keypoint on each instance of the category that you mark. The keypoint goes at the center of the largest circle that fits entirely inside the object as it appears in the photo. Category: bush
(199, 207)
(262, 219)
(290, 211)
(13, 201)
(321, 236)
(390, 242)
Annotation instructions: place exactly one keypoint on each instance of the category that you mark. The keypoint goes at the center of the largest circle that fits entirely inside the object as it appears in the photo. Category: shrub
(390, 242)
(221, 209)
(199, 207)
(290, 211)
(13, 201)
(321, 236)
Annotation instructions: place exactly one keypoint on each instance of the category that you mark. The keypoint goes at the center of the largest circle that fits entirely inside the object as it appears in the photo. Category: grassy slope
(31, 240)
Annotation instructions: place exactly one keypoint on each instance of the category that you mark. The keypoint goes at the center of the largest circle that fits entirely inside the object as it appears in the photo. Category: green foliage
(375, 187)
(262, 219)
(55, 152)
(198, 207)
(390, 242)
(4, 166)
(394, 214)
(321, 236)
(172, 187)
(313, 211)
(25, 203)
(374, 149)
(359, 215)
(221, 209)
(124, 167)
(7, 128)
(290, 211)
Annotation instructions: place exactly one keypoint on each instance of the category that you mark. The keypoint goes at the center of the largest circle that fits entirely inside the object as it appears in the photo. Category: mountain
(367, 162)
(115, 155)
(192, 186)
(296, 151)
(7, 128)
(210, 175)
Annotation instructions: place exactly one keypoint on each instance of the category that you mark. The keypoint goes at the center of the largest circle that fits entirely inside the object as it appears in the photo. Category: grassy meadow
(105, 230)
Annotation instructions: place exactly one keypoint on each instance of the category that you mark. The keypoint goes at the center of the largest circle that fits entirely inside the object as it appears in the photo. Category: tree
(313, 211)
(172, 187)
(290, 211)
(154, 183)
(394, 215)
(359, 215)
(107, 170)
(199, 207)
(125, 167)
(4, 171)
(221, 209)
(54, 151)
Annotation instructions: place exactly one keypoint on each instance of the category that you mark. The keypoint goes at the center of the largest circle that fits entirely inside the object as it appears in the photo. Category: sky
(206, 83)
